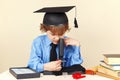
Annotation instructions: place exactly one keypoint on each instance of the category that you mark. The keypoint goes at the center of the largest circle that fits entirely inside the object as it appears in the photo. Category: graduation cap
(56, 15)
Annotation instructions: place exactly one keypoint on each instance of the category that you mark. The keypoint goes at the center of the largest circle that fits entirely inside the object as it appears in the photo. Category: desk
(7, 76)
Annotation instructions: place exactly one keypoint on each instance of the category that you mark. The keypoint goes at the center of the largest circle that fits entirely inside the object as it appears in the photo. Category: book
(109, 71)
(113, 67)
(112, 59)
(108, 76)
(23, 72)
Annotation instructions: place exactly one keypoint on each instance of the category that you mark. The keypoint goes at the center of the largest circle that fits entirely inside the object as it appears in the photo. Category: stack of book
(110, 65)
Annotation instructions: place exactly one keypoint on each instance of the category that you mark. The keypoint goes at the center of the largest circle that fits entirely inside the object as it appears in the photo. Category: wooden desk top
(8, 76)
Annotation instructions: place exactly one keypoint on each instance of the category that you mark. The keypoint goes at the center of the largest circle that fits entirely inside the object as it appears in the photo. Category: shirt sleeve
(76, 56)
(35, 61)
(73, 56)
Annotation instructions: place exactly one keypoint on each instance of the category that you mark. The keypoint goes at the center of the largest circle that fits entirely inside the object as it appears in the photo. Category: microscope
(61, 54)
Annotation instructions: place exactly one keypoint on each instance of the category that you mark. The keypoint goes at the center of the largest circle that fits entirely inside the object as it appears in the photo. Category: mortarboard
(56, 15)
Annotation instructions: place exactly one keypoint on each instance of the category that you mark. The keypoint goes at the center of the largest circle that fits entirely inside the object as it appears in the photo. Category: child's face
(53, 37)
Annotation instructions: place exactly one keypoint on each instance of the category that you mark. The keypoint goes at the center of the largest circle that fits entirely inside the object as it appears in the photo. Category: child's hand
(53, 66)
(70, 41)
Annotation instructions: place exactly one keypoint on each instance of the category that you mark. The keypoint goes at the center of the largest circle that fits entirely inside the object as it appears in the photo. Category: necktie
(53, 57)
(53, 53)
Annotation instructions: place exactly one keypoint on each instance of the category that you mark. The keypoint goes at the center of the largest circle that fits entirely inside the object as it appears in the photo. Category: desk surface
(7, 76)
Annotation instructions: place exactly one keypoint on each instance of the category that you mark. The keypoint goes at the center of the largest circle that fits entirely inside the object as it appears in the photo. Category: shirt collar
(48, 41)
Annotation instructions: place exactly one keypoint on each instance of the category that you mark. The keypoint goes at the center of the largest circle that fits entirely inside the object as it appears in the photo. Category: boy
(55, 24)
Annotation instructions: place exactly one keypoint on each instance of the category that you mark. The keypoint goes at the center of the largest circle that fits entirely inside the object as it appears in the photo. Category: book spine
(108, 71)
(112, 60)
(108, 76)
(113, 67)
(106, 60)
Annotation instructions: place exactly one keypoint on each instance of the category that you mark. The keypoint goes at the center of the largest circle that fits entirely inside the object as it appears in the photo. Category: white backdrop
(98, 32)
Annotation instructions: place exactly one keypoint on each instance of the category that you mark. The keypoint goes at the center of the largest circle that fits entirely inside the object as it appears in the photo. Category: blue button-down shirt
(40, 54)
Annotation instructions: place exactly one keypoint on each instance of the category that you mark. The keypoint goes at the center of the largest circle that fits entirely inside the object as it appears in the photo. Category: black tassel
(75, 22)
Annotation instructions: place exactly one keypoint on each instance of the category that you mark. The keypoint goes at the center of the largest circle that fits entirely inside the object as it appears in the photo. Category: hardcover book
(112, 59)
(113, 67)
(109, 71)
(23, 73)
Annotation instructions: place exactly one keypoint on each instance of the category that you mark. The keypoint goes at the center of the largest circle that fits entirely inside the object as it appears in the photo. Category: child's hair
(56, 30)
